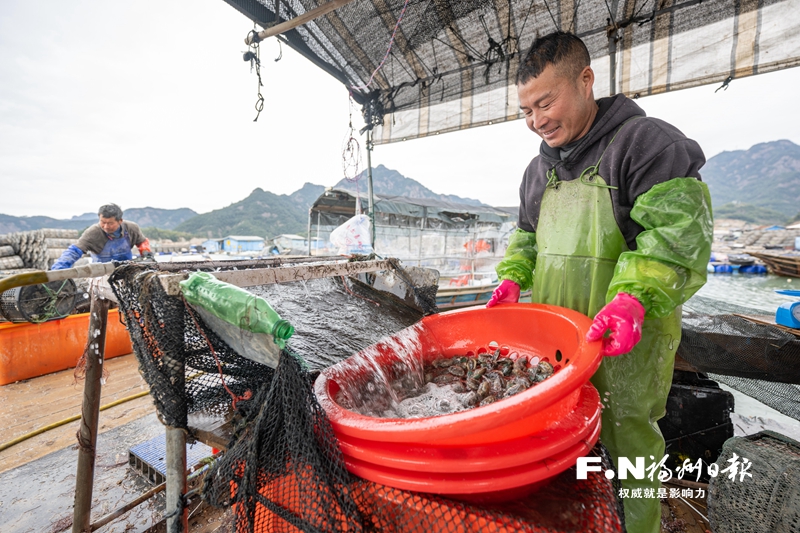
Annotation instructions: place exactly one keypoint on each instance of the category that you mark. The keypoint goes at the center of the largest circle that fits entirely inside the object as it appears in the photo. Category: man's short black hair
(560, 49)
(110, 211)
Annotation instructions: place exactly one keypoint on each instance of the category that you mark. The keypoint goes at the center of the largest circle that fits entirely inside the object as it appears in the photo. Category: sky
(149, 103)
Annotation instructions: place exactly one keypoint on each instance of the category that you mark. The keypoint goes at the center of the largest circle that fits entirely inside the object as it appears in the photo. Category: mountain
(266, 214)
(305, 196)
(9, 223)
(767, 175)
(153, 217)
(392, 183)
(263, 214)
(749, 213)
(144, 216)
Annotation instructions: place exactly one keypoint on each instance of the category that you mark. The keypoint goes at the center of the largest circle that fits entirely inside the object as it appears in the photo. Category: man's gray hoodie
(645, 152)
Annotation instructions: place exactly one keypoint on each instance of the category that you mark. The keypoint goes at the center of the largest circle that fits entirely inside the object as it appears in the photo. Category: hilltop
(390, 182)
(766, 176)
(262, 213)
(143, 216)
(267, 214)
(760, 185)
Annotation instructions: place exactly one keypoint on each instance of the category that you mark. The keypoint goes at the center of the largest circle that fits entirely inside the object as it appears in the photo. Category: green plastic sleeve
(669, 264)
(519, 260)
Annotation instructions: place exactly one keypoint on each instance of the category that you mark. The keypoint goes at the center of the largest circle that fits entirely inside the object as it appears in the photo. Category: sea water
(753, 291)
(333, 321)
(748, 294)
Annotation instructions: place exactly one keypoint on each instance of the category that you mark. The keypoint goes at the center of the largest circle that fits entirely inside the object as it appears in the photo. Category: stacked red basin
(501, 451)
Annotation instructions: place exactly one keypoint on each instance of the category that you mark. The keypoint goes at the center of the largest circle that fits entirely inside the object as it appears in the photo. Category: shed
(289, 243)
(212, 245)
(242, 243)
(450, 237)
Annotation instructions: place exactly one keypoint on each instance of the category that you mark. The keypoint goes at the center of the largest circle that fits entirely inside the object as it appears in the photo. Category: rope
(344, 282)
(725, 83)
(552, 179)
(254, 56)
(351, 151)
(388, 50)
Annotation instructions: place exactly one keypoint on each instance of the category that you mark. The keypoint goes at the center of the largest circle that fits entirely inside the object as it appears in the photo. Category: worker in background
(614, 222)
(111, 239)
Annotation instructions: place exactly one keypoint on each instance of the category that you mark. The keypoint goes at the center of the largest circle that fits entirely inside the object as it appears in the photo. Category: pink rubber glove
(505, 293)
(623, 316)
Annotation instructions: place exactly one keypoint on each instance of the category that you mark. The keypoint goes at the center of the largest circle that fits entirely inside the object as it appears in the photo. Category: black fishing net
(168, 337)
(187, 367)
(756, 488)
(283, 470)
(421, 67)
(736, 346)
(286, 499)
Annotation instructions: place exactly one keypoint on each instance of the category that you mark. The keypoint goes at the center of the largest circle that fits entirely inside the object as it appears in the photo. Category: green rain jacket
(624, 211)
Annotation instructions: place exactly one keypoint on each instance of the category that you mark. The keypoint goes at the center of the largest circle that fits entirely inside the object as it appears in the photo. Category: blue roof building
(242, 243)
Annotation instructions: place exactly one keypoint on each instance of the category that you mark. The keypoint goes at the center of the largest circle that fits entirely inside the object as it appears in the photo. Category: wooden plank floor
(31, 404)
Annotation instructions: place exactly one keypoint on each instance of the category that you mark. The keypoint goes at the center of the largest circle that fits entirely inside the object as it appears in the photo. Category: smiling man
(614, 222)
(111, 239)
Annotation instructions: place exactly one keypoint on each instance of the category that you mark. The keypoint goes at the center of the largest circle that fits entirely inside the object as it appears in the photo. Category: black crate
(696, 425)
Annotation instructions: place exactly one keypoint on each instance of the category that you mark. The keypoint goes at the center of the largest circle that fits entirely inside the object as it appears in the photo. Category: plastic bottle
(235, 306)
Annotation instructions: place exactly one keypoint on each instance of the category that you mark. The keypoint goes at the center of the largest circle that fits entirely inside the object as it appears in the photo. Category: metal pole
(308, 16)
(612, 55)
(308, 233)
(177, 514)
(472, 252)
(421, 229)
(371, 211)
(318, 213)
(90, 414)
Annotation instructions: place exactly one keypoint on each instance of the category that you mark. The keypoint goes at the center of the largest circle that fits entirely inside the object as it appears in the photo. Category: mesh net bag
(565, 505)
(283, 470)
(768, 500)
(187, 367)
(286, 474)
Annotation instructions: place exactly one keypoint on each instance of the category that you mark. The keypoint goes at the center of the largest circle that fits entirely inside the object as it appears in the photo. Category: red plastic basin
(575, 427)
(484, 486)
(532, 329)
(503, 450)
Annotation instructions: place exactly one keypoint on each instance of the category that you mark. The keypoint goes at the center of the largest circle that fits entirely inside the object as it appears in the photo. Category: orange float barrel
(31, 350)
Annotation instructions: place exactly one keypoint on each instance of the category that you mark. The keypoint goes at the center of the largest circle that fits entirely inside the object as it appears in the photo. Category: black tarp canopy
(337, 205)
(452, 64)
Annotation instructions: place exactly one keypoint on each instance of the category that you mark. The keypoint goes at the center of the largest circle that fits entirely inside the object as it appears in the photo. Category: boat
(785, 264)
